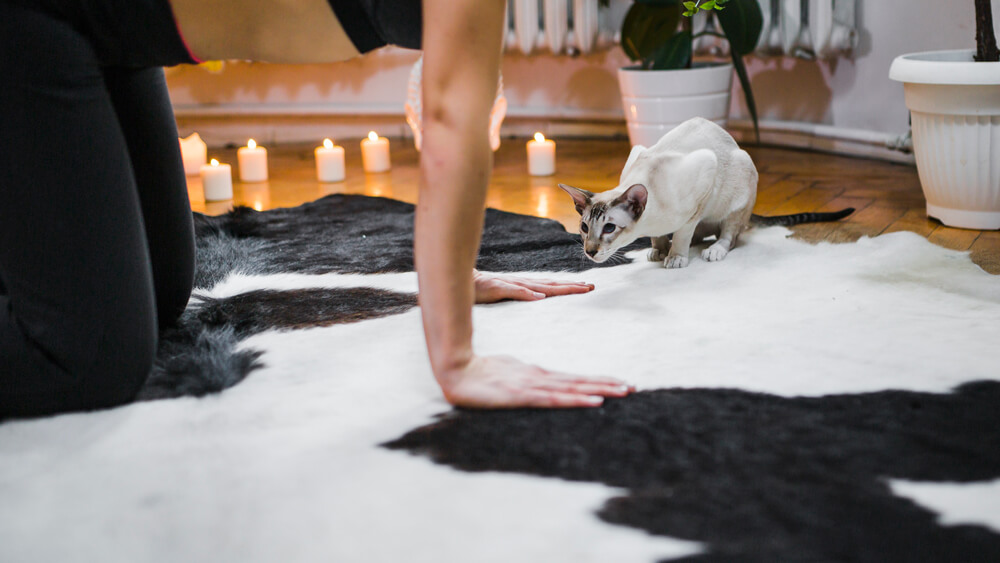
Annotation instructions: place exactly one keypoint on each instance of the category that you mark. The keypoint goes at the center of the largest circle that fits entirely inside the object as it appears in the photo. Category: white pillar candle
(253, 162)
(375, 153)
(217, 180)
(329, 162)
(541, 156)
(195, 154)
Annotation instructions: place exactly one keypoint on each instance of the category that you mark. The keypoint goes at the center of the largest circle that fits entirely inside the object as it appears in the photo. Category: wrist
(449, 364)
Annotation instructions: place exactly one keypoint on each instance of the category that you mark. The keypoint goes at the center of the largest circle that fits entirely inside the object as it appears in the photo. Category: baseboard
(826, 138)
(232, 126)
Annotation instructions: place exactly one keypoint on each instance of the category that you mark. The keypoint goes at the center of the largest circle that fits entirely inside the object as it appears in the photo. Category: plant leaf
(741, 73)
(648, 25)
(742, 22)
(673, 54)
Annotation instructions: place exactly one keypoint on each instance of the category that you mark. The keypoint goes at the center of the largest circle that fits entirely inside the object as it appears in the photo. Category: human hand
(502, 382)
(491, 288)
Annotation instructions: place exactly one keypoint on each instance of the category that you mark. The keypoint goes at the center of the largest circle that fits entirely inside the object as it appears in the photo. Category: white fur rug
(287, 465)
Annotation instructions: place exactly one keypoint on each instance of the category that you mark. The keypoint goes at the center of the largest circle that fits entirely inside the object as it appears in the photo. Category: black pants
(96, 237)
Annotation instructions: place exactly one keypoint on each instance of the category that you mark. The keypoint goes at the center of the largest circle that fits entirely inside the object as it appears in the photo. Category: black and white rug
(797, 403)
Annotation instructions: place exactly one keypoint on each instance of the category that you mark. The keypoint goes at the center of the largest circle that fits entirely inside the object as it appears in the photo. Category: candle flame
(328, 143)
(372, 136)
(539, 138)
(251, 144)
(215, 162)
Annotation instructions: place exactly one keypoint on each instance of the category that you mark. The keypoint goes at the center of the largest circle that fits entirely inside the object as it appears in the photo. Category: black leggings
(96, 237)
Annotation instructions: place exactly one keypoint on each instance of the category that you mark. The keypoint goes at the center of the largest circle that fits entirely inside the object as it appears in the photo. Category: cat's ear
(581, 198)
(634, 200)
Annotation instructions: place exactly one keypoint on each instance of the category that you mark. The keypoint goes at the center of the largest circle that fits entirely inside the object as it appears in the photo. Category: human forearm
(454, 177)
(461, 68)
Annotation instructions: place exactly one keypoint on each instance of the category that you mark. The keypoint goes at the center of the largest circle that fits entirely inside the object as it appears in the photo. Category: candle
(194, 153)
(541, 156)
(329, 162)
(217, 180)
(375, 153)
(253, 162)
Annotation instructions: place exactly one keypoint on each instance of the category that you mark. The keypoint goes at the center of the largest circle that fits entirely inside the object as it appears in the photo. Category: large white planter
(954, 106)
(656, 101)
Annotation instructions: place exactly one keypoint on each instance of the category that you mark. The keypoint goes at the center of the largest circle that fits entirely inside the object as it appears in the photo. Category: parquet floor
(886, 196)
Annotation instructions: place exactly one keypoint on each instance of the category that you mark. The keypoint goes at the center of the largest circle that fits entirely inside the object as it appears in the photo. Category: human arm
(461, 43)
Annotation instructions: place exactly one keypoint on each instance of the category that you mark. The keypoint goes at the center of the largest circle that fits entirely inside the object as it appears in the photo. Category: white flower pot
(656, 101)
(954, 106)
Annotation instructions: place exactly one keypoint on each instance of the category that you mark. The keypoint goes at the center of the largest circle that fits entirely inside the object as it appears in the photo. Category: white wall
(568, 95)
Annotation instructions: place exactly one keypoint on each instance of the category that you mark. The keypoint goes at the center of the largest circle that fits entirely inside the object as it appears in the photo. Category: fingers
(493, 288)
(555, 399)
(544, 288)
(582, 386)
(551, 289)
(568, 391)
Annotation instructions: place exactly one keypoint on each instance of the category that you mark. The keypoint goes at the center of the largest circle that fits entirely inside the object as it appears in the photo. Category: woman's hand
(502, 382)
(491, 288)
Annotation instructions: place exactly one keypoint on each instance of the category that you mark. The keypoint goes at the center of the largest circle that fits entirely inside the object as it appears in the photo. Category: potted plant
(666, 87)
(954, 103)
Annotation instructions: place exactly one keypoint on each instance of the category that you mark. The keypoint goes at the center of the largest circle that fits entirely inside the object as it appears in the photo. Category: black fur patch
(367, 235)
(755, 477)
(257, 311)
(199, 356)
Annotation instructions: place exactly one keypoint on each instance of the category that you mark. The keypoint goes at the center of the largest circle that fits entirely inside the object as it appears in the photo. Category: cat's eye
(609, 228)
(584, 228)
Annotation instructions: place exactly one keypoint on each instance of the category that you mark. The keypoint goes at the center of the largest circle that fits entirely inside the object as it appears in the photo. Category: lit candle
(217, 180)
(253, 162)
(541, 156)
(375, 153)
(194, 153)
(329, 162)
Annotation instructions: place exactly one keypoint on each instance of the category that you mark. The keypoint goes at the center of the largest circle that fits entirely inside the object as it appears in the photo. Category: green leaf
(673, 54)
(647, 26)
(742, 21)
(741, 73)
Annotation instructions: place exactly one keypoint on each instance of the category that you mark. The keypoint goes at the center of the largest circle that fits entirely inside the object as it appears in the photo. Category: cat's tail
(799, 218)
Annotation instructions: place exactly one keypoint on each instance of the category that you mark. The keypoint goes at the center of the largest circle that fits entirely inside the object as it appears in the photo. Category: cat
(694, 182)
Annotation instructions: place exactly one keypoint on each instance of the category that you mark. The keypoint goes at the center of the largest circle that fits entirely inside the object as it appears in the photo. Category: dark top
(371, 24)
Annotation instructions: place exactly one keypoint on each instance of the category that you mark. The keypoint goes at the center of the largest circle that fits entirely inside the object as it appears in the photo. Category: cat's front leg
(680, 246)
(728, 233)
(717, 251)
(659, 251)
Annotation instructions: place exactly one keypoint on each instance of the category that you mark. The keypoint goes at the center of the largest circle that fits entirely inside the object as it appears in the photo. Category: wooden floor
(887, 196)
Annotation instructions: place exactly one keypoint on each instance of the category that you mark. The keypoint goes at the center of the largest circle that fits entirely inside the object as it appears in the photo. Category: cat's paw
(714, 253)
(655, 255)
(675, 261)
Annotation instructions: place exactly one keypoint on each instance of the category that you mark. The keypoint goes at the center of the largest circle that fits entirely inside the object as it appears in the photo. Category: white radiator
(807, 29)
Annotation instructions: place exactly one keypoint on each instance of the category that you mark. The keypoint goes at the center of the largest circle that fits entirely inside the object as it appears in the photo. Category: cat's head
(607, 220)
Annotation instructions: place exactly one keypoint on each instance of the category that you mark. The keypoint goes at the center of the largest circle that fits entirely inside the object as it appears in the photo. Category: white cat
(695, 181)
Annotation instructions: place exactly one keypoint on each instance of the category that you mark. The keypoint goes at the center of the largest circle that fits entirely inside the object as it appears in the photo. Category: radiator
(808, 29)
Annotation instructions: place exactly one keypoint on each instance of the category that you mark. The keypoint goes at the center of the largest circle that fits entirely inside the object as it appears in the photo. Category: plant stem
(686, 26)
(986, 41)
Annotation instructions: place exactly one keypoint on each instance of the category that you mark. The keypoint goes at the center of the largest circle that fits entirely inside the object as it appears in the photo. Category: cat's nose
(591, 252)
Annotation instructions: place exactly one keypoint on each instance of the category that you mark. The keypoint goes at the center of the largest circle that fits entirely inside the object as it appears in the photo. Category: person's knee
(125, 356)
(53, 375)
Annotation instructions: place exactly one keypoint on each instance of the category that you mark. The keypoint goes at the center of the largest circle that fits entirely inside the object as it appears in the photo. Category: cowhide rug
(796, 403)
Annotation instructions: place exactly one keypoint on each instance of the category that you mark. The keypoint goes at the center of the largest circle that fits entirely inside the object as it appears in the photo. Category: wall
(565, 95)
